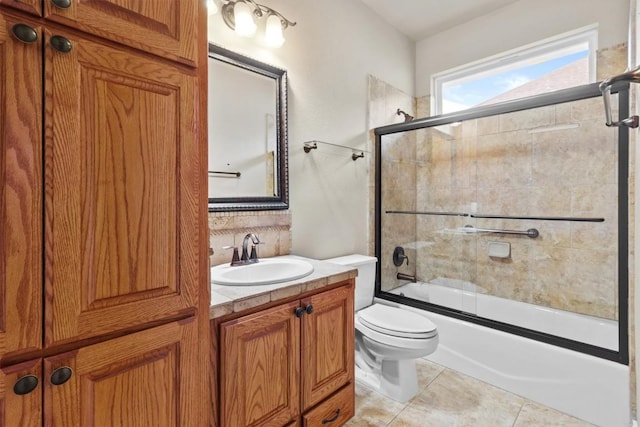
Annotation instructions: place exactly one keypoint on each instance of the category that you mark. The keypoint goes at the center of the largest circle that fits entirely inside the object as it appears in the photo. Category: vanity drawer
(335, 411)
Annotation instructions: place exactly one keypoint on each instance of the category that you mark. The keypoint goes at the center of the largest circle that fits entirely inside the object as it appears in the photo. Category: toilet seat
(397, 322)
(397, 328)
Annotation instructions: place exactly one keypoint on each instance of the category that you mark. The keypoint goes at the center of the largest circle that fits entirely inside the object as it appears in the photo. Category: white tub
(587, 387)
(467, 297)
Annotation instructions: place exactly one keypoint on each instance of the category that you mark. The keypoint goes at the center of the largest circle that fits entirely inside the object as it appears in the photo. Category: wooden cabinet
(335, 411)
(119, 196)
(18, 405)
(103, 250)
(260, 367)
(285, 361)
(20, 194)
(138, 379)
(327, 344)
(30, 6)
(168, 28)
(146, 376)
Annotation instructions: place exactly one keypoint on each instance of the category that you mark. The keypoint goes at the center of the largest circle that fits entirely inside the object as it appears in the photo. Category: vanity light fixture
(238, 15)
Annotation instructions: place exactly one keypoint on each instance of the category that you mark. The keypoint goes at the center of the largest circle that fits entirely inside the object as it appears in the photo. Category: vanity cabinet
(291, 363)
(104, 232)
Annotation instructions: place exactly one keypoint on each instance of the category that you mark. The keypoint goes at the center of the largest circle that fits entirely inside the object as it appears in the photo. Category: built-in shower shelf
(491, 216)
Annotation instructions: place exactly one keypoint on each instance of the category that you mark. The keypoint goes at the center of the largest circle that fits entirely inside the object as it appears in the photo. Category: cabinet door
(144, 379)
(168, 28)
(21, 394)
(327, 344)
(259, 368)
(20, 191)
(122, 190)
(30, 6)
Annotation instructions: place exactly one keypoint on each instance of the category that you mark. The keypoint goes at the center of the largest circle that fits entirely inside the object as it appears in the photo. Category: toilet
(388, 339)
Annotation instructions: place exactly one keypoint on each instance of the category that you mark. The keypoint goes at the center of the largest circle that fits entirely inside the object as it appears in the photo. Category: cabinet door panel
(327, 344)
(30, 6)
(21, 409)
(121, 193)
(167, 28)
(20, 192)
(143, 379)
(260, 368)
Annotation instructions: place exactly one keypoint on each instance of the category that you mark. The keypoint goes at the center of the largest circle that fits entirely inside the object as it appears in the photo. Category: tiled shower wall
(399, 156)
(510, 165)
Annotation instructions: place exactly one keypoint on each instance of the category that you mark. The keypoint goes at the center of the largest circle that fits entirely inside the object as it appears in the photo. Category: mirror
(247, 117)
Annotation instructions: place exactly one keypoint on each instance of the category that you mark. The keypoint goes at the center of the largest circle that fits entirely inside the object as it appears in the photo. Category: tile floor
(448, 398)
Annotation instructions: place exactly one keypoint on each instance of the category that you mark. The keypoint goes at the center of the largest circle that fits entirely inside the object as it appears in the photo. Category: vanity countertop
(231, 299)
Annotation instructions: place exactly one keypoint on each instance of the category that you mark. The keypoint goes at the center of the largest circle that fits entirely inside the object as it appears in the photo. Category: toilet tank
(366, 280)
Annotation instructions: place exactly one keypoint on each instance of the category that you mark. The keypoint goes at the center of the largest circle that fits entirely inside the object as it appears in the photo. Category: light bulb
(245, 26)
(212, 9)
(273, 31)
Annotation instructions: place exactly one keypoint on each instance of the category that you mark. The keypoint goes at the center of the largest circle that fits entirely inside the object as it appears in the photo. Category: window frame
(512, 58)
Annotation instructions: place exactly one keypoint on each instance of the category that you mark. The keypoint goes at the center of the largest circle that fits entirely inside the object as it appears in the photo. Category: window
(557, 63)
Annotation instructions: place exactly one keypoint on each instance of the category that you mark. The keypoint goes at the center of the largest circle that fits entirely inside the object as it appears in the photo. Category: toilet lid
(396, 322)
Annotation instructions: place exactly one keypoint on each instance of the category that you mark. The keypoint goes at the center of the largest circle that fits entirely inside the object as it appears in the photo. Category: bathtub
(587, 387)
(467, 297)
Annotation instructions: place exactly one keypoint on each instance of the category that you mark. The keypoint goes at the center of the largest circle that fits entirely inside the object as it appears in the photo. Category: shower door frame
(558, 97)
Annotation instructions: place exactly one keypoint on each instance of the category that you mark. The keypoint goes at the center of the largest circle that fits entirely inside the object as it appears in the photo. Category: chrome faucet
(246, 257)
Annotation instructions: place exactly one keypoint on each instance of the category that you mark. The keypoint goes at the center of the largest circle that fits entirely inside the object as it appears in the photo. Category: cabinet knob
(61, 375)
(61, 44)
(309, 309)
(25, 385)
(61, 4)
(24, 33)
(299, 311)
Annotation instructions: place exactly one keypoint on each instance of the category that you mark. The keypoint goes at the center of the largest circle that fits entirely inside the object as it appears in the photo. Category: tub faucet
(246, 257)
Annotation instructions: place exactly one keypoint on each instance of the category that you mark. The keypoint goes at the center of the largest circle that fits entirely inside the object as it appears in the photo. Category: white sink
(266, 272)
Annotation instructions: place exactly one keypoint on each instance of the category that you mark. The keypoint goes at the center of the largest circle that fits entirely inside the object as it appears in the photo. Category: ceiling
(418, 19)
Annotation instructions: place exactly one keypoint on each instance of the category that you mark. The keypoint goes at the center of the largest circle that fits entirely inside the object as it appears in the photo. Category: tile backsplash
(229, 228)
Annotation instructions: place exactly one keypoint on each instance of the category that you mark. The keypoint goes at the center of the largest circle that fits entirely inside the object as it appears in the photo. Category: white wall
(328, 55)
(515, 25)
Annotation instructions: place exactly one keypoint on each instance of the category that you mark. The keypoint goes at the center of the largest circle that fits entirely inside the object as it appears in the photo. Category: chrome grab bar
(631, 76)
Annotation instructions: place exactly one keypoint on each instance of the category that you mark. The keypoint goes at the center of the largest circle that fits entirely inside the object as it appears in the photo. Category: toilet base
(397, 379)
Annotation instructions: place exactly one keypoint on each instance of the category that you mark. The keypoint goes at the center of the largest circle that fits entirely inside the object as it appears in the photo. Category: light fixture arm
(259, 11)
(265, 9)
